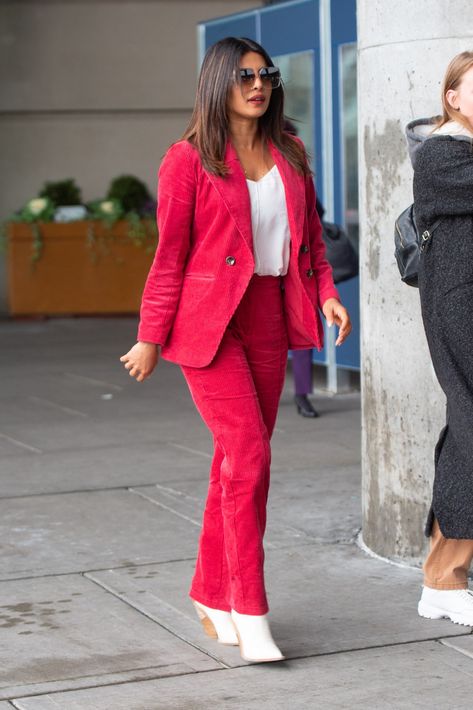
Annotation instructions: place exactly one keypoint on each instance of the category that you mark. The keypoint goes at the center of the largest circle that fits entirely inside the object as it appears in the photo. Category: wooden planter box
(80, 270)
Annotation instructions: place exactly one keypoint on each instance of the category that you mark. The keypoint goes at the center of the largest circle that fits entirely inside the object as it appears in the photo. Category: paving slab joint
(159, 622)
(169, 509)
(448, 644)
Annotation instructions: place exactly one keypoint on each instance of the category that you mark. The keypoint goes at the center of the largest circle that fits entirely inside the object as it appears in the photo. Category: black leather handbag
(409, 244)
(340, 252)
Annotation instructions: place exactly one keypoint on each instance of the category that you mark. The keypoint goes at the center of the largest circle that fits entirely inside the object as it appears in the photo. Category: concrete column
(404, 48)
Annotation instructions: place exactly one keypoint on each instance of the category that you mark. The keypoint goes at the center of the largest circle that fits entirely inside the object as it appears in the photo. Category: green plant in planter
(42, 209)
(39, 209)
(131, 193)
(128, 198)
(136, 202)
(141, 230)
(109, 211)
(62, 193)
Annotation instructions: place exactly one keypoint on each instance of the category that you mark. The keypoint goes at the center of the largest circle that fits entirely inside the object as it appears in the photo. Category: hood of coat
(420, 130)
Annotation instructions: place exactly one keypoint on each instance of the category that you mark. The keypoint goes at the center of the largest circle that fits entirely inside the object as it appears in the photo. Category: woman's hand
(334, 312)
(141, 360)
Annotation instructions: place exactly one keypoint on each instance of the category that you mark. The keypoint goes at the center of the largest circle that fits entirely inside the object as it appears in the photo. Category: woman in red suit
(238, 277)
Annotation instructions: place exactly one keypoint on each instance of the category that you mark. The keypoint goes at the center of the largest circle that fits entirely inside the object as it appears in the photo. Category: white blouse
(271, 236)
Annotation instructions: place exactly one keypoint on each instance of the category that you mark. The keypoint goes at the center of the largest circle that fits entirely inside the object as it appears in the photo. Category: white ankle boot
(217, 624)
(453, 604)
(256, 642)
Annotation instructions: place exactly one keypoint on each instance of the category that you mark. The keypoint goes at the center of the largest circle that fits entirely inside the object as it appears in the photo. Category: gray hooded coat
(443, 188)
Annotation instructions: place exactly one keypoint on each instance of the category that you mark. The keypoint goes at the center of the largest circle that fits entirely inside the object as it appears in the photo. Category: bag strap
(427, 234)
(434, 226)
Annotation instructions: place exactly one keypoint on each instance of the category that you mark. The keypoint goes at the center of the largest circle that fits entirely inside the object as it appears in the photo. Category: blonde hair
(453, 76)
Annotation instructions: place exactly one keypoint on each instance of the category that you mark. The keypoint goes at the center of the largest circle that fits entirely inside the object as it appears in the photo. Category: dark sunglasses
(269, 75)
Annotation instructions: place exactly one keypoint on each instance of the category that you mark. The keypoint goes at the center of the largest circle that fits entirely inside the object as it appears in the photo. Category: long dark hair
(208, 126)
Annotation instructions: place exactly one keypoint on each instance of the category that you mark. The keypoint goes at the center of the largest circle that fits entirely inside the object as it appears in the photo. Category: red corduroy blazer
(204, 260)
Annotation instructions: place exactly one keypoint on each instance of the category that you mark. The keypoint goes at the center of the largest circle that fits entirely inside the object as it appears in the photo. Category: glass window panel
(349, 125)
(297, 71)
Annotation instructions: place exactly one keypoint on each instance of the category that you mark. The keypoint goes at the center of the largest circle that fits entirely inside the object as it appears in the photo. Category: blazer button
(310, 272)
(230, 260)
(304, 249)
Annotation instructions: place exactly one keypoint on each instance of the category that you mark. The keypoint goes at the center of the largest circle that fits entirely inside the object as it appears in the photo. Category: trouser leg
(266, 349)
(448, 561)
(237, 396)
(211, 571)
(225, 396)
(302, 371)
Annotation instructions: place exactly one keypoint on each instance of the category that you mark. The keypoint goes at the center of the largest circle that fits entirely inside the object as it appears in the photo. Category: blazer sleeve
(443, 178)
(323, 270)
(176, 201)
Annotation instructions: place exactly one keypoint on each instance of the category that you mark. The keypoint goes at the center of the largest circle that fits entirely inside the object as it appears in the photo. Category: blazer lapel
(234, 192)
(294, 187)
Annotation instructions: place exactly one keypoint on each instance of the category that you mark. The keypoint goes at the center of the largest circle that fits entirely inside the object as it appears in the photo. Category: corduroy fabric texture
(237, 396)
(443, 187)
(448, 561)
(204, 260)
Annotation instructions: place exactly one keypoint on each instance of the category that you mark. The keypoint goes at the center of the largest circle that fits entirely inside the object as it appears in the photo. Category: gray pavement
(102, 483)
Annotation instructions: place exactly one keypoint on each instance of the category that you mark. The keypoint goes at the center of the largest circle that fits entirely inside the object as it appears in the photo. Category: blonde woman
(442, 156)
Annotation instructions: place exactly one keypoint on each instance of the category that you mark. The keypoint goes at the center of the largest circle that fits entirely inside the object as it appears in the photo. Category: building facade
(92, 90)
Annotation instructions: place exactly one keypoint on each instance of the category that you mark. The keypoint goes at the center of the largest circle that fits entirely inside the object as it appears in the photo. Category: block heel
(217, 624)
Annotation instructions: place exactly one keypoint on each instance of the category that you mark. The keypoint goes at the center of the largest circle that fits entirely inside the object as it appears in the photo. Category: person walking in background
(239, 274)
(302, 359)
(302, 367)
(442, 156)
(343, 259)
(302, 374)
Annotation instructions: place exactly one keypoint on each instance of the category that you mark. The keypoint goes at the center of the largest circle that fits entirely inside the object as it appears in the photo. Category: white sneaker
(453, 604)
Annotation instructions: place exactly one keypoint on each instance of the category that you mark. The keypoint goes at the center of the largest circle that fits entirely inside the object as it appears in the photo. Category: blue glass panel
(347, 195)
(290, 27)
(348, 354)
(236, 26)
(343, 30)
(343, 14)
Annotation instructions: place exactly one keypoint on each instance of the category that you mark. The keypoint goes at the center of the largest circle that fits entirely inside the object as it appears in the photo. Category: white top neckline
(264, 176)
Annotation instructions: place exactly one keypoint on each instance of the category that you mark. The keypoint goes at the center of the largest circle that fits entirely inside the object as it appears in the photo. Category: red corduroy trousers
(237, 396)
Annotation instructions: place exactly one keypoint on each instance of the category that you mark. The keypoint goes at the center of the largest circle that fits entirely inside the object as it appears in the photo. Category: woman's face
(462, 98)
(249, 97)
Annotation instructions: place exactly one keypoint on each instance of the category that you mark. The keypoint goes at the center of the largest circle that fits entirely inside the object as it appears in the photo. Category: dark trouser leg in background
(302, 372)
